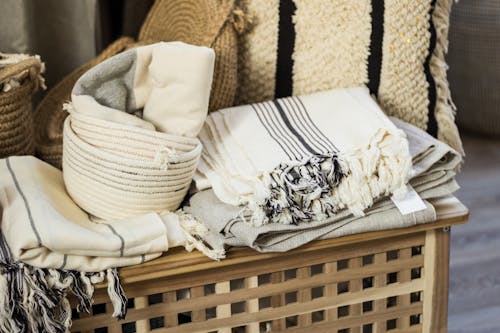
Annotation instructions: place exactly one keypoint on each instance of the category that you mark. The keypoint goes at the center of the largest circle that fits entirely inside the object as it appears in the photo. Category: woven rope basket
(121, 171)
(16, 114)
(475, 65)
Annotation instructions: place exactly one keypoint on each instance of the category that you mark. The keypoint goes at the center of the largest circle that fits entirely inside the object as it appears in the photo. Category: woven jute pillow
(19, 80)
(396, 48)
(212, 23)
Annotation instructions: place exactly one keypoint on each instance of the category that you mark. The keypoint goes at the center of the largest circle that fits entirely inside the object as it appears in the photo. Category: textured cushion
(394, 47)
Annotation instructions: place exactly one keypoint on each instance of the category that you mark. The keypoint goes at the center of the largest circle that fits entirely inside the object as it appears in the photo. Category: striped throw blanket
(304, 158)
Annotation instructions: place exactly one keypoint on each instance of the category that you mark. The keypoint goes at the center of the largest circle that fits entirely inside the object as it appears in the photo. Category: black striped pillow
(395, 47)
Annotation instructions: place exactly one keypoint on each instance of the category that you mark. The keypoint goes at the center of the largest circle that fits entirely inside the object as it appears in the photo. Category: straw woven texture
(205, 23)
(475, 64)
(115, 171)
(16, 114)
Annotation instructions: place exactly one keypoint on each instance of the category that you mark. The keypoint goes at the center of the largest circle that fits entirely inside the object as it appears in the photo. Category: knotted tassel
(116, 294)
(194, 231)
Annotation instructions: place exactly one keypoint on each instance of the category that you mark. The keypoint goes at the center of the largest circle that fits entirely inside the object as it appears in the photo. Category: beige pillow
(395, 47)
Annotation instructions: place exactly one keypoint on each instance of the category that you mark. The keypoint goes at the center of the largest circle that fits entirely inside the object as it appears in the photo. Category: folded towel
(130, 143)
(48, 245)
(304, 158)
(434, 165)
(45, 228)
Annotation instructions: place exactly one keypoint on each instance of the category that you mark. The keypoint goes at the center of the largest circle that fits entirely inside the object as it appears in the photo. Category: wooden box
(384, 281)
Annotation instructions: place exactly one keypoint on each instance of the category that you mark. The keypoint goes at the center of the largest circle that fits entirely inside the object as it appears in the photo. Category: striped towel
(49, 245)
(304, 158)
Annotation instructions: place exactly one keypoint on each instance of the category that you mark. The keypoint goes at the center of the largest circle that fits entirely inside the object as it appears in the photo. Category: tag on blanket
(410, 203)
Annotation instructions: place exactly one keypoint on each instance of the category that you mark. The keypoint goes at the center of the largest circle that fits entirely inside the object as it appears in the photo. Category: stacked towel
(304, 158)
(434, 167)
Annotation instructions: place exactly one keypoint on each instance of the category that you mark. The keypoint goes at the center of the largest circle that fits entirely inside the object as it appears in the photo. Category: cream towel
(304, 158)
(434, 167)
(45, 228)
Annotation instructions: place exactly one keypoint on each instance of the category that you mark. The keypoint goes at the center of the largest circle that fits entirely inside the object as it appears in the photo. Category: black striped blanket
(304, 158)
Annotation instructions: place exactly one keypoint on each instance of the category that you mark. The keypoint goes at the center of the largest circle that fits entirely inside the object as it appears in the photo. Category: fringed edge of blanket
(36, 299)
(320, 186)
(195, 232)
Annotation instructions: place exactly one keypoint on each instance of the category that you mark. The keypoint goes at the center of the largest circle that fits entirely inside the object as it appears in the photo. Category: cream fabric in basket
(130, 143)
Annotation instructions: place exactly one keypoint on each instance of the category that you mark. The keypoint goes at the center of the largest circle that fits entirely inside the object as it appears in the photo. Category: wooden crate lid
(450, 211)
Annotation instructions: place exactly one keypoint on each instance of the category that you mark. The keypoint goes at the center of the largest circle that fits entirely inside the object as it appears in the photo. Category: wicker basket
(16, 114)
(395, 281)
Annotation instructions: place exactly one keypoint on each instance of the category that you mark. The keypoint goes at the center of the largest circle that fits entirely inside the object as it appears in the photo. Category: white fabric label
(411, 202)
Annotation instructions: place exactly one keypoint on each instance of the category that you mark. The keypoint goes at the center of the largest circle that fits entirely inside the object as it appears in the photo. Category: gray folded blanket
(434, 165)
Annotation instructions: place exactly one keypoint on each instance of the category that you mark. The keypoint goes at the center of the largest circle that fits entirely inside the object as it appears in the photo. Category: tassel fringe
(35, 299)
(320, 186)
(194, 231)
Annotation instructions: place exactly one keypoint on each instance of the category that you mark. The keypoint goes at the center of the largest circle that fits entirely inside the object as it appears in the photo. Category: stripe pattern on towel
(303, 158)
(36, 299)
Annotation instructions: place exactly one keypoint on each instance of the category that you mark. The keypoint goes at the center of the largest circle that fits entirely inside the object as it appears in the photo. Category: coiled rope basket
(115, 171)
(18, 83)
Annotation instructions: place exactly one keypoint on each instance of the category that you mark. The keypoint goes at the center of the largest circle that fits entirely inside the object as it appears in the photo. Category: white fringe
(382, 168)
(195, 231)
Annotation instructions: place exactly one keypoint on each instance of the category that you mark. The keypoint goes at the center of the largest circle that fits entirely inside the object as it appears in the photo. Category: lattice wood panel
(377, 286)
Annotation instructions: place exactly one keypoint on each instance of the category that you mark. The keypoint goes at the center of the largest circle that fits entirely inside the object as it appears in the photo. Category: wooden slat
(252, 304)
(330, 268)
(141, 326)
(115, 326)
(436, 266)
(404, 300)
(196, 294)
(355, 286)
(261, 291)
(223, 310)
(304, 295)
(360, 320)
(277, 301)
(379, 281)
(299, 308)
(171, 319)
